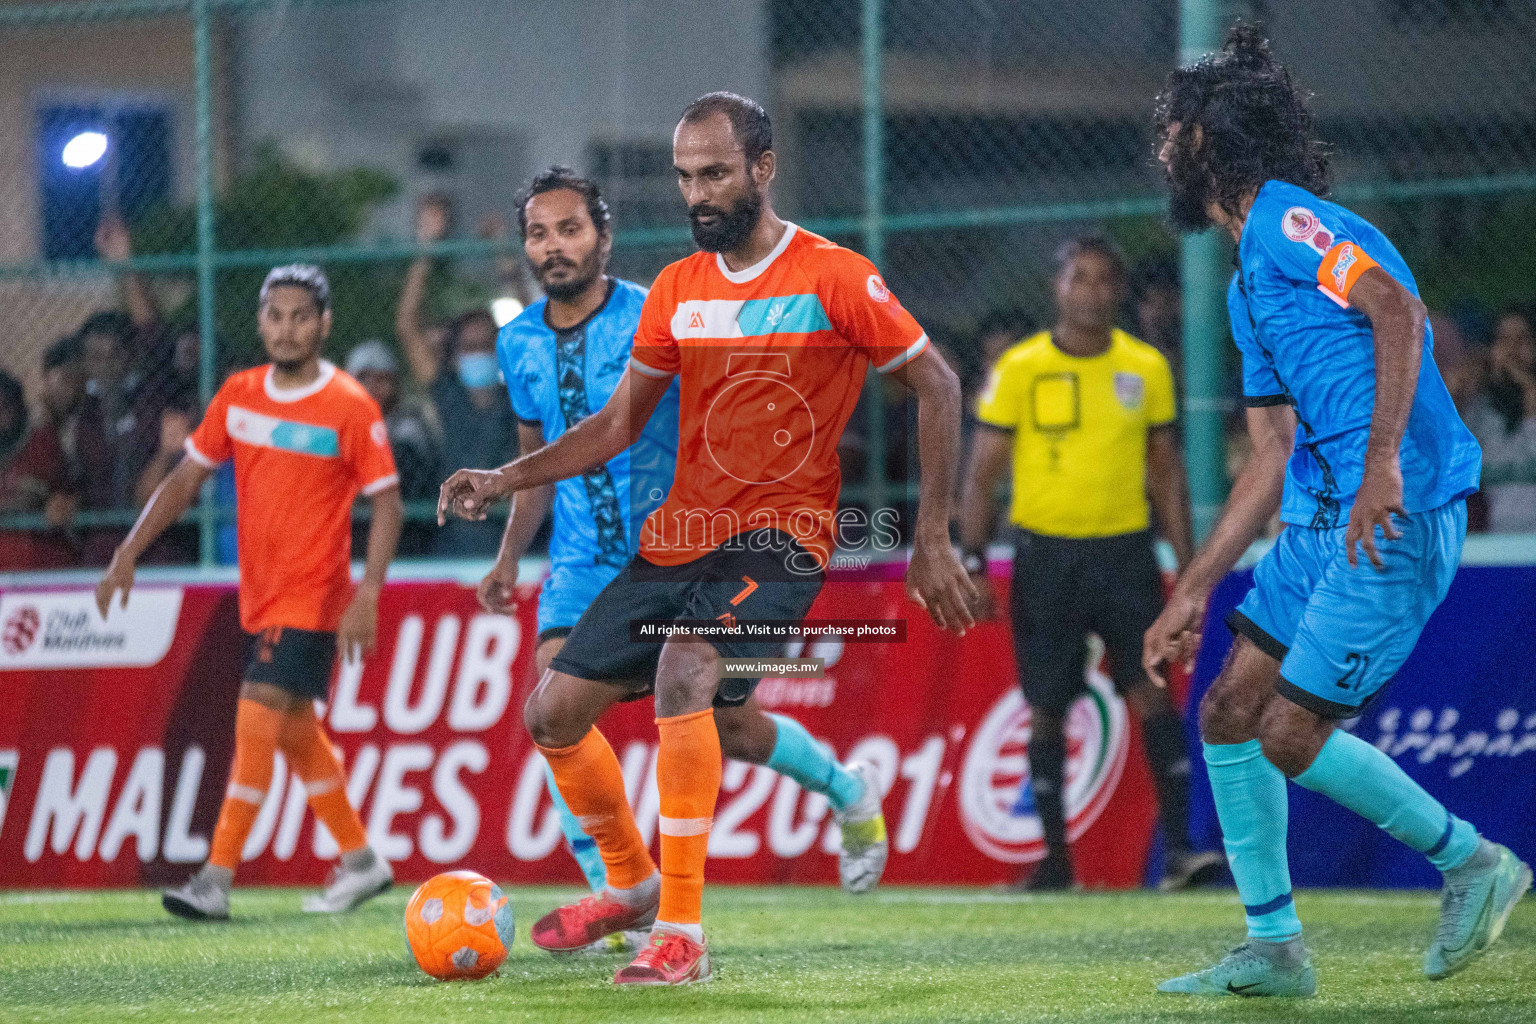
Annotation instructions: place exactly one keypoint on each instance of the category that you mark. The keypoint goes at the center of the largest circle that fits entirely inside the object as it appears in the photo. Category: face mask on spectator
(477, 369)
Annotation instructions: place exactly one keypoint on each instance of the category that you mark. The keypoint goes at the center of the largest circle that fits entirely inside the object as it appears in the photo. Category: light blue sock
(1368, 782)
(798, 755)
(582, 846)
(1250, 803)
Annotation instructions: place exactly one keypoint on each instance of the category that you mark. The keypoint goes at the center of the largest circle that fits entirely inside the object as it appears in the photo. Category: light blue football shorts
(565, 594)
(1341, 633)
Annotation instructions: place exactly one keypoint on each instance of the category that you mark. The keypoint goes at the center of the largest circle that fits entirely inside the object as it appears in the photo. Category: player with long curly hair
(1357, 443)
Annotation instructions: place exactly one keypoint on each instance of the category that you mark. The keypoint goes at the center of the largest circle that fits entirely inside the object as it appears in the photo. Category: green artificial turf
(780, 955)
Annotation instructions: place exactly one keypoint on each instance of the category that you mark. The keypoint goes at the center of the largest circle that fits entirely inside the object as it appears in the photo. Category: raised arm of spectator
(421, 352)
(493, 227)
(1168, 490)
(114, 244)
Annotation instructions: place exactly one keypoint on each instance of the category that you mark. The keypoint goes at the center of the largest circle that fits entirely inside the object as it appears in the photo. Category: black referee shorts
(747, 578)
(1065, 588)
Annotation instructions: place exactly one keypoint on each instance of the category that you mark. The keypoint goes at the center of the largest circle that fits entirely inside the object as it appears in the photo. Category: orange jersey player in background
(771, 331)
(306, 439)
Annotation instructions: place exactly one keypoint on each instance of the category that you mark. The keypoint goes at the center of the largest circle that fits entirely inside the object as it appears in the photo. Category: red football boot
(569, 928)
(671, 958)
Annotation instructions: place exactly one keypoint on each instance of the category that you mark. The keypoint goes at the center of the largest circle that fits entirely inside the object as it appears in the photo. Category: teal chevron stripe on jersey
(785, 314)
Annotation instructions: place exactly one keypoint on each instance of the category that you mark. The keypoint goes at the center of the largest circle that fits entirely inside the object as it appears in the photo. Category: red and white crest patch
(1299, 224)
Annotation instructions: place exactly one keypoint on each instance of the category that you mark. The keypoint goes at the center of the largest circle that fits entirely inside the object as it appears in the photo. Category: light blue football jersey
(1302, 344)
(556, 379)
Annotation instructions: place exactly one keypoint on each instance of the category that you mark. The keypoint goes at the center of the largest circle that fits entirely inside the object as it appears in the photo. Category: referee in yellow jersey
(1086, 414)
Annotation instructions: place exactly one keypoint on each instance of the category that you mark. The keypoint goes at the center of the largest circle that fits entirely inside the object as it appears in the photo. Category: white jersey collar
(756, 269)
(277, 394)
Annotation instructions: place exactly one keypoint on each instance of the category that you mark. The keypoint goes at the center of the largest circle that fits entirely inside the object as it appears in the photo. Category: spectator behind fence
(1158, 303)
(998, 332)
(410, 438)
(457, 367)
(1503, 418)
(34, 478)
(1463, 365)
(63, 399)
(1460, 362)
(131, 380)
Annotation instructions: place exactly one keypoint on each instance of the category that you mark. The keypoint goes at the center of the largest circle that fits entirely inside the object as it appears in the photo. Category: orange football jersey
(301, 457)
(772, 359)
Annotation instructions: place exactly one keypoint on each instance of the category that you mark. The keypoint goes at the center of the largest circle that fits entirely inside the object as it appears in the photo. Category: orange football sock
(590, 780)
(256, 730)
(310, 752)
(688, 777)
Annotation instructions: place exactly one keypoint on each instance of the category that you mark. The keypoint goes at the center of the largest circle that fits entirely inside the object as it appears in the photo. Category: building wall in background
(502, 87)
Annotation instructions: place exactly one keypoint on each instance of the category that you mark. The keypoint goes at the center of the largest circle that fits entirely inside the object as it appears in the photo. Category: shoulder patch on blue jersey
(1300, 224)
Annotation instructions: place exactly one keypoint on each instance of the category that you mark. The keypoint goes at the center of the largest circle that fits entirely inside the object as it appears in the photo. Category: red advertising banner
(115, 742)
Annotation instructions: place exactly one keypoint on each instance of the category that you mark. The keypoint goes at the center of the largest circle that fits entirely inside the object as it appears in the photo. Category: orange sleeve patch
(1341, 268)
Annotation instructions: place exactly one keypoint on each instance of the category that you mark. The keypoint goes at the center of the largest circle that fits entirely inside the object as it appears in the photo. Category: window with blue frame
(96, 158)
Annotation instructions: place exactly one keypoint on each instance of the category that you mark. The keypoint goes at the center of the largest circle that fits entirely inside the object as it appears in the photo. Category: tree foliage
(279, 205)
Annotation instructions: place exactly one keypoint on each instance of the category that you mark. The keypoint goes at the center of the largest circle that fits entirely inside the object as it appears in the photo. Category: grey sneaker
(201, 899)
(1244, 972)
(1474, 906)
(865, 849)
(348, 889)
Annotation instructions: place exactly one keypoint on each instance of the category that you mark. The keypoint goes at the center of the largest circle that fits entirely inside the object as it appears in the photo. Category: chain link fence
(159, 156)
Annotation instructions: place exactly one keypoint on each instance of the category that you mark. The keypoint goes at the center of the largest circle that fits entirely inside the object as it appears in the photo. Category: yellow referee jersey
(1080, 432)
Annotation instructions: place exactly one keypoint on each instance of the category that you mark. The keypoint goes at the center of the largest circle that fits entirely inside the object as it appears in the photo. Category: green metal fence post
(202, 85)
(1200, 25)
(874, 231)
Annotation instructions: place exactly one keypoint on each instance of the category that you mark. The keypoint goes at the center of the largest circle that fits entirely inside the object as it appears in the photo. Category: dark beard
(1188, 184)
(290, 365)
(587, 271)
(733, 227)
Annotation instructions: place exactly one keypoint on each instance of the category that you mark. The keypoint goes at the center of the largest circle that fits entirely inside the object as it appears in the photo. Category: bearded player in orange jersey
(771, 330)
(306, 439)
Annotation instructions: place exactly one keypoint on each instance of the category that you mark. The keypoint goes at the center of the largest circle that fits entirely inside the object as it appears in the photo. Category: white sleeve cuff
(381, 484)
(649, 371)
(197, 456)
(912, 352)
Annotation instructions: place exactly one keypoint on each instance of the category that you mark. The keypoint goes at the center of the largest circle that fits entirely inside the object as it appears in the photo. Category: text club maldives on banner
(115, 741)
